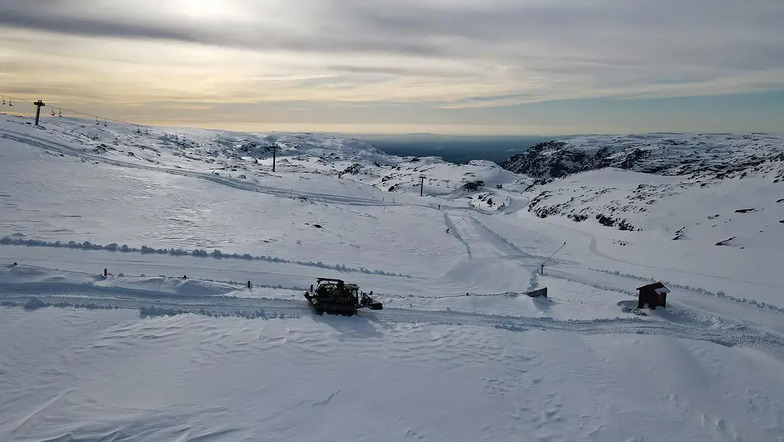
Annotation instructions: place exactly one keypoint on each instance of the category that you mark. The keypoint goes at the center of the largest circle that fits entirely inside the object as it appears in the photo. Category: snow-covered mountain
(717, 155)
(721, 189)
(151, 285)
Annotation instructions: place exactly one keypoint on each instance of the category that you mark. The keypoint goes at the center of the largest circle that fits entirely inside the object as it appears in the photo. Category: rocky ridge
(719, 155)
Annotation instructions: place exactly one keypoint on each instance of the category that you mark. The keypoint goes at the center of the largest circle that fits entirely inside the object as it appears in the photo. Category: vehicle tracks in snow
(151, 303)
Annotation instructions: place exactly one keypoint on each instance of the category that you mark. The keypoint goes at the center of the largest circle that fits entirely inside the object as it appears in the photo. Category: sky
(491, 67)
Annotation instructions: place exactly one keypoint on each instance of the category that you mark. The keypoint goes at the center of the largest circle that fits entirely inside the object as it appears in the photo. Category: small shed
(655, 295)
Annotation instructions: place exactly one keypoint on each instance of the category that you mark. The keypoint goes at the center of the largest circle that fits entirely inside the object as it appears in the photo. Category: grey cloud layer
(608, 42)
(712, 30)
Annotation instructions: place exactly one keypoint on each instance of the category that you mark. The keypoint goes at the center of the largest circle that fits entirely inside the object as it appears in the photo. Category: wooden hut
(655, 295)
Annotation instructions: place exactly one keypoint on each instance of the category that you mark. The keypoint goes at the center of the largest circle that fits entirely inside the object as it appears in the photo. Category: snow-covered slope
(172, 343)
(712, 203)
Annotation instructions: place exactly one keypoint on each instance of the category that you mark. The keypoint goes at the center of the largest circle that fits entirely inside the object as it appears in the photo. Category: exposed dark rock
(605, 220)
(352, 169)
(624, 225)
(725, 242)
(578, 217)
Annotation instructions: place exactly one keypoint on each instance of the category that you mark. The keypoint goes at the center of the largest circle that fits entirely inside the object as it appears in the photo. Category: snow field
(459, 352)
(112, 374)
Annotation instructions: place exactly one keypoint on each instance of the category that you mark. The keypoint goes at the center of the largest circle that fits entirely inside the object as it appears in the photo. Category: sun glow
(202, 9)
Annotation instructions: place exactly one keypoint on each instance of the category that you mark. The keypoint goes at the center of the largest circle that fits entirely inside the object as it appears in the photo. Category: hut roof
(658, 287)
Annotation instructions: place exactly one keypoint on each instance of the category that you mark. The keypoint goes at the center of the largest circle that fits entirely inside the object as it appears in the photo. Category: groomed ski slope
(111, 375)
(458, 353)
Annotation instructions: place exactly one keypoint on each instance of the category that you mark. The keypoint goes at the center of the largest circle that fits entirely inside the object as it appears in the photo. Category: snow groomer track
(151, 303)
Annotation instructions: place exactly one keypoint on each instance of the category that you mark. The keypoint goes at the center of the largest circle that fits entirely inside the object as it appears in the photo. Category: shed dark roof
(654, 286)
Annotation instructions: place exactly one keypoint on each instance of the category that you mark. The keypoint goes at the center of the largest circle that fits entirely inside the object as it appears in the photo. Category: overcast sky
(450, 66)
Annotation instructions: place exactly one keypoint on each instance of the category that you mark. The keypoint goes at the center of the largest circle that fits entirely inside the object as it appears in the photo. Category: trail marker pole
(421, 185)
(39, 104)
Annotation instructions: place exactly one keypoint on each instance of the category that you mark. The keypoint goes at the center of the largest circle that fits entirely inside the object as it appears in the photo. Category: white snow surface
(172, 344)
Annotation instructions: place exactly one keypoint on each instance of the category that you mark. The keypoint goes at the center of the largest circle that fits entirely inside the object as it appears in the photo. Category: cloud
(300, 33)
(451, 53)
(60, 22)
